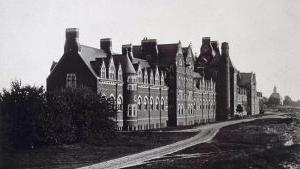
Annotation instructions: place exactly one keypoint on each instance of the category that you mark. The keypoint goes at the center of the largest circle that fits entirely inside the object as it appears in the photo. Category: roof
(126, 64)
(167, 53)
(143, 63)
(89, 54)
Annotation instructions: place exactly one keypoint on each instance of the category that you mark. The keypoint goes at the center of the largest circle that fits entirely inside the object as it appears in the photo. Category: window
(103, 72)
(140, 103)
(146, 103)
(120, 103)
(157, 103)
(120, 76)
(145, 77)
(140, 76)
(162, 104)
(132, 112)
(112, 72)
(132, 87)
(71, 80)
(151, 104)
(162, 79)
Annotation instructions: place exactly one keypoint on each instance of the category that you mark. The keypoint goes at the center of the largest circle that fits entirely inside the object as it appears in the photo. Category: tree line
(30, 116)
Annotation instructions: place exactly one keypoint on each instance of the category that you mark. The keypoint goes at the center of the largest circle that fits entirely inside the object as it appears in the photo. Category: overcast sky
(264, 35)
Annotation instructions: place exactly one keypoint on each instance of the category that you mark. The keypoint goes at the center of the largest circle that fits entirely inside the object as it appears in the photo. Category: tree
(274, 101)
(287, 101)
(20, 108)
(239, 109)
(76, 115)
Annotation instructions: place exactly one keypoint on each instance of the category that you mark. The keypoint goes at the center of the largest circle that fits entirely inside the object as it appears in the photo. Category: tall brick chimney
(223, 85)
(149, 48)
(106, 45)
(71, 43)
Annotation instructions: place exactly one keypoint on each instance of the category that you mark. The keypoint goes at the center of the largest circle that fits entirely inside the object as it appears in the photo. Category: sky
(263, 35)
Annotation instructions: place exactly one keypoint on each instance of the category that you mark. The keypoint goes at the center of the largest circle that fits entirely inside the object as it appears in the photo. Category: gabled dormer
(162, 78)
(146, 81)
(103, 70)
(179, 56)
(156, 76)
(120, 73)
(151, 78)
(140, 74)
(111, 69)
(190, 58)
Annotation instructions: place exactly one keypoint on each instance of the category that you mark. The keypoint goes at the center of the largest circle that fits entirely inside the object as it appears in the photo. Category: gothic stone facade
(156, 85)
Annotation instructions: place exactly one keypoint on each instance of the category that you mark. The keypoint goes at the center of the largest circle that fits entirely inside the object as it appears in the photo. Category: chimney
(127, 49)
(225, 49)
(149, 48)
(205, 40)
(72, 43)
(106, 44)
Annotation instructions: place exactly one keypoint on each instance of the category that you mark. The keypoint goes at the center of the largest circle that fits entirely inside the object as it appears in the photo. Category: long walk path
(207, 133)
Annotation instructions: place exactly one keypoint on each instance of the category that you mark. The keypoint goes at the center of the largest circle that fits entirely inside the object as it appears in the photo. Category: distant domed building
(275, 98)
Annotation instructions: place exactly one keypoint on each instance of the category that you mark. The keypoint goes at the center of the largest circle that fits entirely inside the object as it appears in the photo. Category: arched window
(162, 104)
(140, 103)
(112, 72)
(151, 104)
(157, 103)
(103, 72)
(140, 76)
(120, 75)
(162, 82)
(120, 103)
(145, 77)
(146, 103)
(181, 109)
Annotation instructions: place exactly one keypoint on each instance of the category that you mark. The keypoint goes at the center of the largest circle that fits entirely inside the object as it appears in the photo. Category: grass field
(81, 154)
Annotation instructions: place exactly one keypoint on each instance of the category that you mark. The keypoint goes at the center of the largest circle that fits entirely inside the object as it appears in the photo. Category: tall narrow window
(140, 103)
(157, 103)
(151, 104)
(120, 103)
(112, 72)
(162, 104)
(103, 72)
(146, 103)
(71, 80)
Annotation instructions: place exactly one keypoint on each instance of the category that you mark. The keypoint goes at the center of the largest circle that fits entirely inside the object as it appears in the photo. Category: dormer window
(103, 72)
(145, 77)
(151, 78)
(162, 82)
(120, 76)
(111, 72)
(140, 76)
(71, 80)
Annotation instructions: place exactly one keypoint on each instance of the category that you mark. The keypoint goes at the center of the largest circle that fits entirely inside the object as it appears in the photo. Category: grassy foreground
(260, 144)
(82, 154)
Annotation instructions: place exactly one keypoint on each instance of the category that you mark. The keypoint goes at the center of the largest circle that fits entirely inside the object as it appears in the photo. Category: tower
(223, 85)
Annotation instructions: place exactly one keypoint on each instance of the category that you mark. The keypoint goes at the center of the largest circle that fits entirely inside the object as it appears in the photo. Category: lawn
(82, 154)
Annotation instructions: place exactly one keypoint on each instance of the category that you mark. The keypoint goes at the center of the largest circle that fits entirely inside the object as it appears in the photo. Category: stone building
(156, 85)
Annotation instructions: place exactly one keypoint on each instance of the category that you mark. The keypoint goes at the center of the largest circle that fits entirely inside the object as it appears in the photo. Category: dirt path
(207, 133)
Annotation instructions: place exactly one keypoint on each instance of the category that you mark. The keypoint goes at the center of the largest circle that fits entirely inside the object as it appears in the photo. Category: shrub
(30, 116)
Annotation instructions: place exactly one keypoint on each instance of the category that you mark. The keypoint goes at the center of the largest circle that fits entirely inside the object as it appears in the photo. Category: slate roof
(126, 64)
(167, 53)
(89, 54)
